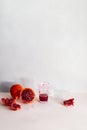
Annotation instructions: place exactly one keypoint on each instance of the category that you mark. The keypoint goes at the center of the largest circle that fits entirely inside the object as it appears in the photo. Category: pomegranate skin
(15, 106)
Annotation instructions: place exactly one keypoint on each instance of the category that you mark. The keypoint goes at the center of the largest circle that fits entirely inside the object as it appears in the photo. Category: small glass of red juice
(43, 92)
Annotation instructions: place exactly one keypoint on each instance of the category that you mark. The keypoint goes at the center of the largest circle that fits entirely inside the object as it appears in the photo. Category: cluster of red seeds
(69, 102)
(11, 103)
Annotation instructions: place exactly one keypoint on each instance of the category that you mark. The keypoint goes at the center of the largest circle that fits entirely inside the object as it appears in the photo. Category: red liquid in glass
(43, 97)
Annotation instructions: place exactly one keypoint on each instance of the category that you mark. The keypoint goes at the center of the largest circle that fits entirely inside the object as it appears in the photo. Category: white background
(44, 40)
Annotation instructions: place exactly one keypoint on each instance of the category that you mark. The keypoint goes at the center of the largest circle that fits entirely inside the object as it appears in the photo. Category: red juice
(43, 97)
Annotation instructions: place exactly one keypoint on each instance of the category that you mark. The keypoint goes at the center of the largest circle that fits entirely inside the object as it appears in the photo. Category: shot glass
(43, 92)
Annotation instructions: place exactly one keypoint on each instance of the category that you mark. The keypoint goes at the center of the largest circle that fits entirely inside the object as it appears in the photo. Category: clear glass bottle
(43, 92)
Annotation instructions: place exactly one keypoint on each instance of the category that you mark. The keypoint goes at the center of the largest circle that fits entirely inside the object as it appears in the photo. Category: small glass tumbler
(43, 92)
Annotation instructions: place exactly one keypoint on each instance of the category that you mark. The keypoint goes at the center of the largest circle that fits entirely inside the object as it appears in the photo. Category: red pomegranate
(15, 90)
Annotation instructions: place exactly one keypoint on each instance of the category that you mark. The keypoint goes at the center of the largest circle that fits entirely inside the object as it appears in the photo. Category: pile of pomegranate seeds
(69, 102)
(11, 103)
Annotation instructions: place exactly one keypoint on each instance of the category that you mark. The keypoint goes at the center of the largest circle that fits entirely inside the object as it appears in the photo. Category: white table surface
(49, 116)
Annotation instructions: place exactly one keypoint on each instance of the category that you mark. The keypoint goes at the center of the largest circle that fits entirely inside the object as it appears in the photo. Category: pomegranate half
(27, 95)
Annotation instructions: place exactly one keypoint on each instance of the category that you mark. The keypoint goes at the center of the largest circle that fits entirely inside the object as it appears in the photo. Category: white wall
(45, 40)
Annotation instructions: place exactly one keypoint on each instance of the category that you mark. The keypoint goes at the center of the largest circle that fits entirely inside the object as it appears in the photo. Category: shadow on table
(5, 86)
